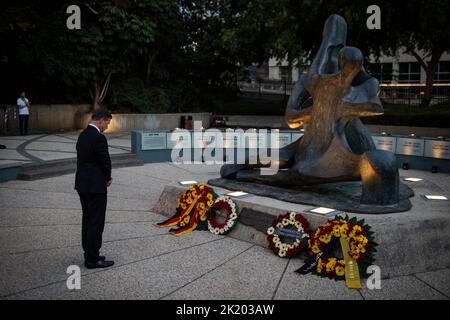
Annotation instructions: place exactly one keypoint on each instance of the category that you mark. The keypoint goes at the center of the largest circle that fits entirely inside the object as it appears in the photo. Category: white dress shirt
(91, 124)
(23, 106)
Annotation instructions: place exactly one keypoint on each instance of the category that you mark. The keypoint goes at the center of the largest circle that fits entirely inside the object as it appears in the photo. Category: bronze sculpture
(335, 146)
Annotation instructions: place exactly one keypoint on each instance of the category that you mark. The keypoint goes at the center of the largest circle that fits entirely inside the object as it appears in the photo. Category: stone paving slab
(50, 155)
(10, 144)
(120, 142)
(20, 272)
(14, 217)
(8, 138)
(9, 154)
(57, 138)
(24, 239)
(51, 146)
(113, 150)
(28, 137)
(55, 146)
(403, 288)
(312, 287)
(252, 275)
(439, 280)
(152, 264)
(150, 278)
(25, 198)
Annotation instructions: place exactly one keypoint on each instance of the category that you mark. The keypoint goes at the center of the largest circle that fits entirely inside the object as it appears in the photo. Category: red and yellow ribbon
(193, 207)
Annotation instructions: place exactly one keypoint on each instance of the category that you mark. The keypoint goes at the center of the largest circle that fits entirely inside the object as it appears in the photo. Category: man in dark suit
(91, 181)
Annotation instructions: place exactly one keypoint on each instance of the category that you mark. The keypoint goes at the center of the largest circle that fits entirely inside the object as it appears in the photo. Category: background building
(402, 68)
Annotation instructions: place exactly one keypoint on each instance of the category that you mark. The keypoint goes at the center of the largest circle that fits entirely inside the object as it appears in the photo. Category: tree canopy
(175, 55)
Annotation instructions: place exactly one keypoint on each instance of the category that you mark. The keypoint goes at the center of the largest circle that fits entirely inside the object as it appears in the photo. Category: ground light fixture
(237, 194)
(323, 210)
(187, 182)
(413, 179)
(435, 197)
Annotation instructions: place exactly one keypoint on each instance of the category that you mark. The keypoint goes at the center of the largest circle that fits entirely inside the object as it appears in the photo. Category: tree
(111, 34)
(422, 29)
(292, 29)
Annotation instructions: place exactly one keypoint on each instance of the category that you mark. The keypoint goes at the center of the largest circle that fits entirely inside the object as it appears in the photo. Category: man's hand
(109, 182)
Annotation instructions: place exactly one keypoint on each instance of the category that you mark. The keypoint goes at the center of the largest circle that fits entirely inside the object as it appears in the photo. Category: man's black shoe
(99, 258)
(98, 264)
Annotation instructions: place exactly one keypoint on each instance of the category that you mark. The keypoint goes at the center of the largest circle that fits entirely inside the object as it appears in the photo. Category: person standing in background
(24, 113)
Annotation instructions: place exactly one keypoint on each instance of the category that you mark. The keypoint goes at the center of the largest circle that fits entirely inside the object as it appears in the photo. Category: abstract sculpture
(328, 101)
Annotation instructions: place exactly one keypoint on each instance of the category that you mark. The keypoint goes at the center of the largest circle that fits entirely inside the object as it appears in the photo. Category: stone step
(256, 213)
(408, 242)
(54, 168)
(69, 161)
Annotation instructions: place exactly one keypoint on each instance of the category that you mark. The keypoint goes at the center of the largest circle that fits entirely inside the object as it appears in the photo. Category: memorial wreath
(289, 226)
(227, 204)
(356, 240)
(192, 209)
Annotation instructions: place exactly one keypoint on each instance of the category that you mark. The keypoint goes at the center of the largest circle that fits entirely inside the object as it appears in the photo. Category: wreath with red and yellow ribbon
(192, 209)
(361, 246)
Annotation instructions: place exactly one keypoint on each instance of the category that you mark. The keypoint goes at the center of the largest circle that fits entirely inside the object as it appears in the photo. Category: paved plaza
(40, 237)
(45, 147)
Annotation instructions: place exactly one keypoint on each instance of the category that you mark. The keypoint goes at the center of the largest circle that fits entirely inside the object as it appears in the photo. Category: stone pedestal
(409, 242)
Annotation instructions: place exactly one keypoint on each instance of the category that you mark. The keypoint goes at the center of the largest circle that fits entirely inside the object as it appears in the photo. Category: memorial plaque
(197, 139)
(250, 139)
(284, 139)
(295, 136)
(410, 147)
(385, 143)
(232, 139)
(437, 149)
(153, 141)
(212, 140)
(181, 139)
(263, 140)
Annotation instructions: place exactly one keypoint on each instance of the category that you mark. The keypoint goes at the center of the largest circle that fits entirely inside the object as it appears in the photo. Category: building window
(381, 71)
(442, 74)
(409, 72)
(286, 73)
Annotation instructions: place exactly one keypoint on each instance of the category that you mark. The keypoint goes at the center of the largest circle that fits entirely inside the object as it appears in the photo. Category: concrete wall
(49, 117)
(70, 117)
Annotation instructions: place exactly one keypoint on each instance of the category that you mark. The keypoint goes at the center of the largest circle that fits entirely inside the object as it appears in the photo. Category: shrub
(135, 95)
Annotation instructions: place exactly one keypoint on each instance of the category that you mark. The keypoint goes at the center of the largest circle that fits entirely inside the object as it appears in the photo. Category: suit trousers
(93, 223)
(23, 124)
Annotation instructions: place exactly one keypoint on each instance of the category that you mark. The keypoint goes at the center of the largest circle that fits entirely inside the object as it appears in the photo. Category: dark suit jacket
(93, 162)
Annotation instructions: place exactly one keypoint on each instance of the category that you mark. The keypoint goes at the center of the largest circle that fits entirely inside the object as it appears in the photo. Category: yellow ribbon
(352, 279)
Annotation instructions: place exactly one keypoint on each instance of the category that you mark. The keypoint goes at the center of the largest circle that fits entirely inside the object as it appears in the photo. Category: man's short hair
(101, 113)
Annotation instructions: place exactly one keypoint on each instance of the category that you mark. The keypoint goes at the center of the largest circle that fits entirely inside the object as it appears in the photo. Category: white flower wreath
(231, 208)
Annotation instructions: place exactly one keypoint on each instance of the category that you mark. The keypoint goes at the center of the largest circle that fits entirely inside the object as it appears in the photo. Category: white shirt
(91, 124)
(23, 108)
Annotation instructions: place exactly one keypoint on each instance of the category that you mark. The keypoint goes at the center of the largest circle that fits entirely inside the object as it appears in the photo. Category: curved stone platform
(409, 241)
(342, 195)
